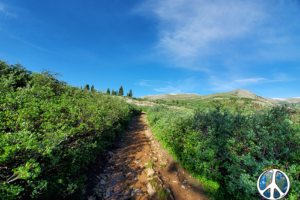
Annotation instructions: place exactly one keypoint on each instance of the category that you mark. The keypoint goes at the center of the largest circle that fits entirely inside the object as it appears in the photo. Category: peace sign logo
(273, 184)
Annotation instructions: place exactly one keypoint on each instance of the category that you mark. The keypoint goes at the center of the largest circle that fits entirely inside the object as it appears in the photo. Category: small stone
(136, 178)
(103, 182)
(127, 197)
(155, 159)
(137, 161)
(111, 154)
(92, 198)
(136, 191)
(183, 186)
(174, 181)
(127, 193)
(107, 193)
(150, 172)
(151, 191)
(170, 194)
(128, 174)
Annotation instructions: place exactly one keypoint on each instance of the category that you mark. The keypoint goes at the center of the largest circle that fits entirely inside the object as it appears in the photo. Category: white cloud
(167, 89)
(180, 85)
(194, 32)
(143, 83)
(30, 44)
(4, 10)
(227, 85)
(250, 80)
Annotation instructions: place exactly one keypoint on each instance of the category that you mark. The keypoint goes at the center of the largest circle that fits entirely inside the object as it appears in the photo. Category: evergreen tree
(81, 87)
(127, 94)
(112, 92)
(87, 87)
(130, 93)
(92, 88)
(108, 91)
(121, 93)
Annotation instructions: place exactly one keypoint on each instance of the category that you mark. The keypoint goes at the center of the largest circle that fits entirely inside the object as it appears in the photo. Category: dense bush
(231, 147)
(50, 132)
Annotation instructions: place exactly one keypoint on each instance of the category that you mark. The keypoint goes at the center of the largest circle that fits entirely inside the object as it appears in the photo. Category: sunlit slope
(173, 96)
(239, 93)
(294, 100)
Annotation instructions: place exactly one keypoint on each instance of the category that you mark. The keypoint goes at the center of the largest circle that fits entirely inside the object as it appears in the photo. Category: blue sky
(159, 46)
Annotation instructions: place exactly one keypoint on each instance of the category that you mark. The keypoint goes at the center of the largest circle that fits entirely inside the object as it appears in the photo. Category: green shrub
(229, 148)
(50, 132)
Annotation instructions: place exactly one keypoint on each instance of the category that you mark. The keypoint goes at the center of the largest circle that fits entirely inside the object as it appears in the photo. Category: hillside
(172, 96)
(293, 101)
(239, 93)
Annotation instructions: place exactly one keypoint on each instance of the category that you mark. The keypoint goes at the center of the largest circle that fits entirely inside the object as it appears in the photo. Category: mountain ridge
(239, 93)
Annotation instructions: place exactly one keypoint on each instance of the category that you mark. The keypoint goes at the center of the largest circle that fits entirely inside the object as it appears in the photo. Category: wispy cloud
(180, 85)
(227, 85)
(168, 89)
(4, 10)
(32, 45)
(250, 80)
(194, 32)
(143, 83)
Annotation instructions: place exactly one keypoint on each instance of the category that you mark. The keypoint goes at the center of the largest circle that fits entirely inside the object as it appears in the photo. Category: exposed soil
(137, 167)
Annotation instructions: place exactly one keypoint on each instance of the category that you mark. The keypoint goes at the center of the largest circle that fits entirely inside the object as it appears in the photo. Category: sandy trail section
(137, 167)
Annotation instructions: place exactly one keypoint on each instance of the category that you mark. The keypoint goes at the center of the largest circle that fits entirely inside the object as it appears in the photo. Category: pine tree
(112, 92)
(92, 88)
(81, 87)
(130, 93)
(121, 93)
(127, 94)
(87, 87)
(108, 91)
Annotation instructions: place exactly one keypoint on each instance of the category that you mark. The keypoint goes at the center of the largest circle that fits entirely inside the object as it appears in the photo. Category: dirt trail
(137, 167)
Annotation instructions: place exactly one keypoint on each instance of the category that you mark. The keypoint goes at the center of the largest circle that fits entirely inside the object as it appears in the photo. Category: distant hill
(289, 101)
(171, 96)
(239, 93)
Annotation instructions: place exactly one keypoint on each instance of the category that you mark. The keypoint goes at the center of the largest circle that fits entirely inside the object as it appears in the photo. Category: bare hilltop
(239, 93)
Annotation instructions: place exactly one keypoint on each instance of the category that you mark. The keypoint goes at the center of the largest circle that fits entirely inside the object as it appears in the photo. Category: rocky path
(137, 167)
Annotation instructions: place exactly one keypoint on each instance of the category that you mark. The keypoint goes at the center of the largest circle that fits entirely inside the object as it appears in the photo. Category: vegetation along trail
(137, 167)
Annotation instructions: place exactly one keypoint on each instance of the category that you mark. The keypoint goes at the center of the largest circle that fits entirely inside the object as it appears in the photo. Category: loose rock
(111, 154)
(136, 191)
(92, 198)
(151, 191)
(150, 172)
(107, 193)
